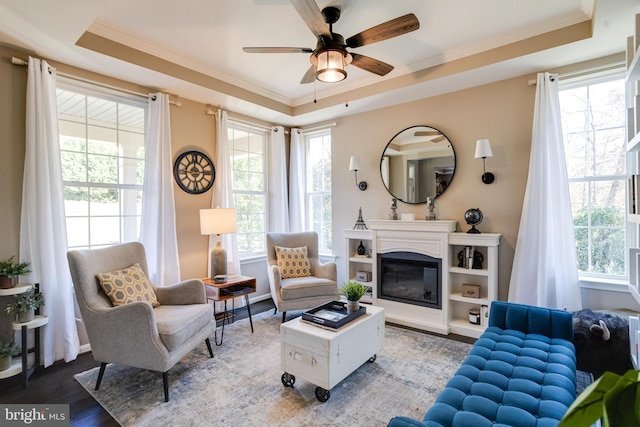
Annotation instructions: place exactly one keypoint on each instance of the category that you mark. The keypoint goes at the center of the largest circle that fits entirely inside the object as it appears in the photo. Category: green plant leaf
(589, 405)
(620, 400)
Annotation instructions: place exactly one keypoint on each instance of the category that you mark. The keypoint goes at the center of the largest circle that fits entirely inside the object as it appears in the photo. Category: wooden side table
(235, 286)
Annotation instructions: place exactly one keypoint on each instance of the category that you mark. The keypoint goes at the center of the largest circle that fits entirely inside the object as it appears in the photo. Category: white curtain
(158, 224)
(297, 182)
(223, 193)
(278, 201)
(544, 267)
(43, 235)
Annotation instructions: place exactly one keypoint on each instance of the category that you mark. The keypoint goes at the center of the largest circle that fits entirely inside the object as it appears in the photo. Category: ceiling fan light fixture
(330, 66)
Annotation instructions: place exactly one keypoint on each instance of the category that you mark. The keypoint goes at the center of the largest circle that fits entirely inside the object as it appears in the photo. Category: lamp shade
(217, 221)
(483, 149)
(330, 68)
(354, 164)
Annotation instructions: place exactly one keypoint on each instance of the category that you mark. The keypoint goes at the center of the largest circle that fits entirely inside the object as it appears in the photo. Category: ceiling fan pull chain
(315, 94)
(346, 97)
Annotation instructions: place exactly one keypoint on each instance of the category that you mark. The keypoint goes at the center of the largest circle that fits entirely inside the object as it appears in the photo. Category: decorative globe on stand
(473, 217)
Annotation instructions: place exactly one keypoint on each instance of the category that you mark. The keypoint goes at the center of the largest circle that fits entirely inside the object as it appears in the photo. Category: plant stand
(20, 365)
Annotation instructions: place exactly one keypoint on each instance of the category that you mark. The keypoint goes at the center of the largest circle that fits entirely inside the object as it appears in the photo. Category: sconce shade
(330, 66)
(354, 164)
(483, 149)
(217, 221)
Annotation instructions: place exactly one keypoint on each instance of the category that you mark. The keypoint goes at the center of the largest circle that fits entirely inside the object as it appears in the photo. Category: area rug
(241, 385)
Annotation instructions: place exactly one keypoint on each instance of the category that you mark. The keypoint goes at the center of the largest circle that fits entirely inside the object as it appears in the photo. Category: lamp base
(218, 260)
(488, 177)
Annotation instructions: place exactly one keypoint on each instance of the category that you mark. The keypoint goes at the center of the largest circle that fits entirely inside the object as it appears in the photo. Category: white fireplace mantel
(439, 226)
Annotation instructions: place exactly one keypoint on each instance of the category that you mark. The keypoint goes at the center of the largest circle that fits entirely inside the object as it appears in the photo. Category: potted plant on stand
(25, 304)
(10, 271)
(7, 350)
(353, 291)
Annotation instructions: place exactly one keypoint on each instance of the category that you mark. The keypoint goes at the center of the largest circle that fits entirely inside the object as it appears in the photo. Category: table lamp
(218, 221)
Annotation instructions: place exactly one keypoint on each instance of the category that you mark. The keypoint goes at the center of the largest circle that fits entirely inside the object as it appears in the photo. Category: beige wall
(501, 112)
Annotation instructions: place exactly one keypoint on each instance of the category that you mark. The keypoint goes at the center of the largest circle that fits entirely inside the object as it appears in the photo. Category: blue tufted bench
(520, 372)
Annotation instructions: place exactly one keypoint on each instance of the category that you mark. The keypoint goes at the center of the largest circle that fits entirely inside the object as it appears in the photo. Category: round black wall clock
(194, 172)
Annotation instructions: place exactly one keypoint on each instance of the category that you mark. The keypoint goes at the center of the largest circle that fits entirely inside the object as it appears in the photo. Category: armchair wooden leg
(103, 365)
(165, 383)
(275, 310)
(209, 347)
(284, 316)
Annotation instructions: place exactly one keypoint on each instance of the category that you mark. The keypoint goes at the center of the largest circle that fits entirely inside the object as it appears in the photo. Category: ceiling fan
(330, 56)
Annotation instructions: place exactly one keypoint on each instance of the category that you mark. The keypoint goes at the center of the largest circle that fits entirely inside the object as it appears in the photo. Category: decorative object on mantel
(473, 217)
(360, 225)
(354, 165)
(361, 249)
(431, 206)
(483, 150)
(11, 271)
(393, 215)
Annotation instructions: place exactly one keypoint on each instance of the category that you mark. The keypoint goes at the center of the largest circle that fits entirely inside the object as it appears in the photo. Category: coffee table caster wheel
(322, 394)
(288, 380)
(372, 358)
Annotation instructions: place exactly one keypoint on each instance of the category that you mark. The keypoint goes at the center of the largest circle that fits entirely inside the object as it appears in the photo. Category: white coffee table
(325, 357)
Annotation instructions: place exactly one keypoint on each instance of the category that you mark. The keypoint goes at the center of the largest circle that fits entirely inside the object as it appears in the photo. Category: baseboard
(85, 348)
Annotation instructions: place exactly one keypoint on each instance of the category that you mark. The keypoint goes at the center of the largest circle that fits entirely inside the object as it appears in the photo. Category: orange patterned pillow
(293, 262)
(127, 285)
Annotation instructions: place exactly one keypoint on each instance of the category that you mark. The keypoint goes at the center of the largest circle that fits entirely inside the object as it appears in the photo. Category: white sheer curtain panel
(297, 182)
(43, 231)
(544, 267)
(278, 201)
(223, 194)
(158, 224)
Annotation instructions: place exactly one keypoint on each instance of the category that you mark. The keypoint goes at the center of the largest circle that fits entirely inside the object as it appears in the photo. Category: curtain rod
(580, 73)
(19, 61)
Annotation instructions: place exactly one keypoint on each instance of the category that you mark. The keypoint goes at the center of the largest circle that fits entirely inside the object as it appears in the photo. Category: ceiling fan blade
(426, 133)
(372, 65)
(395, 27)
(309, 76)
(277, 50)
(311, 15)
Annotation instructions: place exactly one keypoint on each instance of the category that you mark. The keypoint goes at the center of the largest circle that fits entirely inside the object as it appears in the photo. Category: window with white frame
(102, 152)
(318, 187)
(247, 149)
(593, 121)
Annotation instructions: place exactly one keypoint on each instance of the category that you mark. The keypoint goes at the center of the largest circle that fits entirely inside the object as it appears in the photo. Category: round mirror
(417, 163)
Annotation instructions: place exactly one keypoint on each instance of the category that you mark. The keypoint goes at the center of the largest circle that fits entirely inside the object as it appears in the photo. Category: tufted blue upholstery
(520, 372)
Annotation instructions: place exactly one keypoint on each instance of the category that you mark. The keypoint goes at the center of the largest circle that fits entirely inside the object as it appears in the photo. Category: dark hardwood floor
(56, 384)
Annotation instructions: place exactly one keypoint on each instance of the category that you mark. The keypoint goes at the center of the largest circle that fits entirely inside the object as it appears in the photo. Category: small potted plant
(353, 291)
(10, 271)
(7, 350)
(25, 304)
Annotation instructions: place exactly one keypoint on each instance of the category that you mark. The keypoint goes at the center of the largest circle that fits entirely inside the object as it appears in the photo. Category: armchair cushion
(178, 323)
(293, 262)
(127, 285)
(303, 287)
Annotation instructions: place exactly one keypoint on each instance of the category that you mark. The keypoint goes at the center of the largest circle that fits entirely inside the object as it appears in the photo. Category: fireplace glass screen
(410, 278)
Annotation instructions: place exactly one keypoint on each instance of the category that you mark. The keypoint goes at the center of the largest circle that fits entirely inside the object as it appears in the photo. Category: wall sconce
(483, 150)
(354, 165)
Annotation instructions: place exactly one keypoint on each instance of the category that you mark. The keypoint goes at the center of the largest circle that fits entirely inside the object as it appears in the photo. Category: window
(318, 194)
(247, 148)
(593, 121)
(102, 155)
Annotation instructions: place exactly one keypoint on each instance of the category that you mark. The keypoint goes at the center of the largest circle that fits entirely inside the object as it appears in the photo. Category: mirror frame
(389, 143)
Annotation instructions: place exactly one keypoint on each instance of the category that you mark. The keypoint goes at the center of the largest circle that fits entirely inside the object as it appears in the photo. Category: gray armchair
(136, 334)
(299, 293)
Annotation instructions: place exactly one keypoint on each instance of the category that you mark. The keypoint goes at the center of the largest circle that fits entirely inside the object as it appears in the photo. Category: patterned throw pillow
(293, 262)
(127, 285)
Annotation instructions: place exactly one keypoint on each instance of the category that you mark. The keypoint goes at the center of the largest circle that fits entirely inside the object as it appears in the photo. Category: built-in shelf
(470, 271)
(366, 260)
(457, 296)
